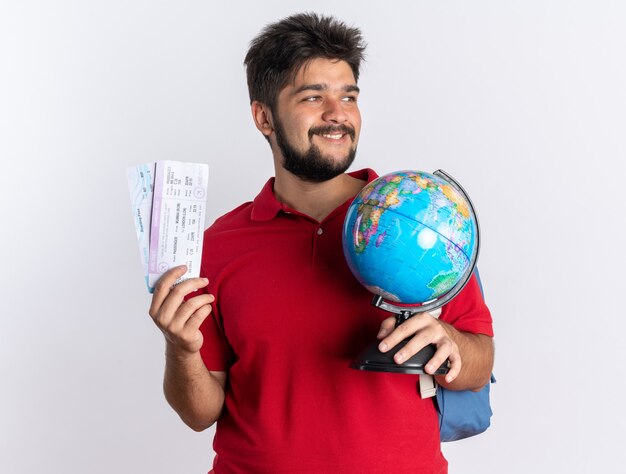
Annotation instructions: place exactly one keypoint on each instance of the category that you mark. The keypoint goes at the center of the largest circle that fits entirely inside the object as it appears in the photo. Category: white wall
(523, 102)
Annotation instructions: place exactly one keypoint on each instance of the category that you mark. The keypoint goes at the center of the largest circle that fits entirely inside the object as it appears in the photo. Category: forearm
(196, 394)
(477, 354)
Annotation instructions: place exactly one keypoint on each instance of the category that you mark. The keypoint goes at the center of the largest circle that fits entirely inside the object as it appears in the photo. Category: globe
(412, 237)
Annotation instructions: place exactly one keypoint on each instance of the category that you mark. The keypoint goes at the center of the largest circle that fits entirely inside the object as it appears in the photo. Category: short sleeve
(468, 312)
(216, 352)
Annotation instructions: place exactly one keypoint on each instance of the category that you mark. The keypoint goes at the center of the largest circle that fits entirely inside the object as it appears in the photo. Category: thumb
(386, 327)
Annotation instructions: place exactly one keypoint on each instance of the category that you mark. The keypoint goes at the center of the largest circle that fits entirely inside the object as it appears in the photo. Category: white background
(523, 102)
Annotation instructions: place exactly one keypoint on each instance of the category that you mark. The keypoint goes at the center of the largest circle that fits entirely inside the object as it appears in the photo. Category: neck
(316, 200)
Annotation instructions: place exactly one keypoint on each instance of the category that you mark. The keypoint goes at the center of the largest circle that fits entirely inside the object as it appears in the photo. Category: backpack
(462, 413)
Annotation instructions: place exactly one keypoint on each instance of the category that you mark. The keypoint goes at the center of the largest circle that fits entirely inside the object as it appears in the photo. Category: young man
(267, 357)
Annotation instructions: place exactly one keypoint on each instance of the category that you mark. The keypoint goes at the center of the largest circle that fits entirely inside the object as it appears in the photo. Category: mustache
(331, 129)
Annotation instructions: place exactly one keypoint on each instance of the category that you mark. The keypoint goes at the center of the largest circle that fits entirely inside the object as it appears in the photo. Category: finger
(413, 346)
(176, 299)
(178, 321)
(191, 338)
(163, 287)
(445, 350)
(386, 327)
(455, 367)
(195, 320)
(405, 330)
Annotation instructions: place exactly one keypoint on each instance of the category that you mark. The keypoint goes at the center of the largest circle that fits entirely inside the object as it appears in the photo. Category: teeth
(334, 137)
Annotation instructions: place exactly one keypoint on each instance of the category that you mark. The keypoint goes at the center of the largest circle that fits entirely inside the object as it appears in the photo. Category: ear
(262, 116)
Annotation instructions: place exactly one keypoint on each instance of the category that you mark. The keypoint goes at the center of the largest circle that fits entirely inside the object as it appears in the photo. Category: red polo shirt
(288, 318)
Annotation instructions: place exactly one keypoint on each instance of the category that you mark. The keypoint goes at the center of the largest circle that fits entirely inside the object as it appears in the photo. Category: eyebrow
(324, 87)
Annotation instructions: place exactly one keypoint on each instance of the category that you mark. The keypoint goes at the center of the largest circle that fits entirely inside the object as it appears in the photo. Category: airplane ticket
(140, 184)
(176, 224)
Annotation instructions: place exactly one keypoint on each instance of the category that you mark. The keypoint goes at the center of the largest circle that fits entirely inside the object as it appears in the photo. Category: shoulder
(222, 241)
(238, 217)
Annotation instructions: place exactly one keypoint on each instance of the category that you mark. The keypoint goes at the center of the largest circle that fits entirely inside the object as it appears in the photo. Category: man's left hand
(421, 329)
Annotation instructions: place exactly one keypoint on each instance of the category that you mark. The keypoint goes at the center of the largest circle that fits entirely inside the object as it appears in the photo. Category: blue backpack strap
(463, 413)
(480, 283)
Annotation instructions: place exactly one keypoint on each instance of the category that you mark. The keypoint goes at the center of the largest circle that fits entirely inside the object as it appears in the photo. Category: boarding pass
(168, 200)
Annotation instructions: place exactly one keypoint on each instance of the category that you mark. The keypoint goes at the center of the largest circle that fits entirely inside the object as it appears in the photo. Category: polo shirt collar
(265, 206)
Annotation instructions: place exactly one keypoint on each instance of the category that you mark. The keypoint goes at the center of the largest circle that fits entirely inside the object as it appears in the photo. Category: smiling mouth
(334, 133)
(335, 136)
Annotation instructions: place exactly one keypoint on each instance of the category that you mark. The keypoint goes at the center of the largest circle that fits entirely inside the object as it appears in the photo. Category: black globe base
(374, 360)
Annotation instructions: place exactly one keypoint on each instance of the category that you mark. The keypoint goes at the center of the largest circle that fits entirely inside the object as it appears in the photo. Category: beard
(312, 165)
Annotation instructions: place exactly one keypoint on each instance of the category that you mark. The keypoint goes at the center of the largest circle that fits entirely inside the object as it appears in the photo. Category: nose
(334, 111)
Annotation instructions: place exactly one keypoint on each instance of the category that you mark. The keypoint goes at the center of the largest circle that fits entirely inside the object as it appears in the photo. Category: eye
(349, 98)
(313, 98)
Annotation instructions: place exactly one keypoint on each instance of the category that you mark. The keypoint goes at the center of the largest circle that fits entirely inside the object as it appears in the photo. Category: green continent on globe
(443, 282)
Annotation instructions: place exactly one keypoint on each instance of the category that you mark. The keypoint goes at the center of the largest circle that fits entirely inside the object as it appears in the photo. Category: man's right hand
(180, 320)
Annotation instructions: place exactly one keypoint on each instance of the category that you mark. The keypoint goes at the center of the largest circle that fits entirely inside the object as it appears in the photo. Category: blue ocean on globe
(410, 237)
